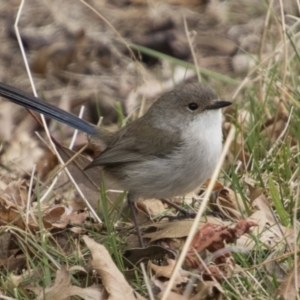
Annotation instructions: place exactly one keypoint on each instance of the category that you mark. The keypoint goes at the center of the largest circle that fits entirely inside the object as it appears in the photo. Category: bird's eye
(193, 106)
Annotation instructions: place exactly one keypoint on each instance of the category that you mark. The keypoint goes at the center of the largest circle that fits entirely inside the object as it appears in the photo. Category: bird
(169, 151)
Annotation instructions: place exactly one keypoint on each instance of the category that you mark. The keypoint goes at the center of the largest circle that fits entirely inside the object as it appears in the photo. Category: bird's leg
(132, 207)
(185, 212)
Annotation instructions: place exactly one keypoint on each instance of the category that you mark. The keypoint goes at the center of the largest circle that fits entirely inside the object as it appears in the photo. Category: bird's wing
(131, 144)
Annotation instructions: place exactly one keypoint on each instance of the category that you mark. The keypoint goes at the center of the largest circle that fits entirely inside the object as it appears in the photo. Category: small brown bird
(168, 152)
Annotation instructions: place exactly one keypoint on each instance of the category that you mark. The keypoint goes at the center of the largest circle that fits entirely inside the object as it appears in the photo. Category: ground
(116, 58)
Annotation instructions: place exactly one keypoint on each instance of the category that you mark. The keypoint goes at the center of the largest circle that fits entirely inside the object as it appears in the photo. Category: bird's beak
(219, 104)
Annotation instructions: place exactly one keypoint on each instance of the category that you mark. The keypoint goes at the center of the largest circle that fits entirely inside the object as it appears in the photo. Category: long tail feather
(29, 101)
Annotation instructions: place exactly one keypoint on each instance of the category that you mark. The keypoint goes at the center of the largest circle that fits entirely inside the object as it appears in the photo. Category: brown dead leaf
(151, 207)
(15, 281)
(228, 203)
(13, 210)
(13, 206)
(25, 282)
(262, 203)
(15, 194)
(269, 231)
(60, 216)
(259, 217)
(54, 214)
(13, 203)
(62, 288)
(10, 215)
(270, 234)
(204, 290)
(113, 280)
(77, 218)
(225, 201)
(244, 226)
(162, 276)
(213, 237)
(254, 192)
(22, 153)
(167, 271)
(179, 229)
(14, 261)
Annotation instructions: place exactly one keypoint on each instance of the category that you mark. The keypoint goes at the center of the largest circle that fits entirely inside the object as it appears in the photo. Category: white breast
(204, 146)
(188, 168)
